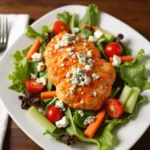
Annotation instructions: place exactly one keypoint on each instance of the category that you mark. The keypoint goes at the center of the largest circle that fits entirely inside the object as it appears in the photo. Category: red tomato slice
(54, 114)
(33, 86)
(114, 107)
(60, 26)
(113, 49)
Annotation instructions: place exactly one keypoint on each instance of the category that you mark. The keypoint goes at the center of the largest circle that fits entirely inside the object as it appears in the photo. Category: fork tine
(1, 28)
(5, 30)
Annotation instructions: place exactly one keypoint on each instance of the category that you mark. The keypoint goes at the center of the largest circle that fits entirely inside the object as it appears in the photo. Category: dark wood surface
(135, 13)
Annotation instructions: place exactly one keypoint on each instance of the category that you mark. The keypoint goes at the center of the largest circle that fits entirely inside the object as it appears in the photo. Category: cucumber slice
(130, 104)
(41, 119)
(108, 36)
(125, 94)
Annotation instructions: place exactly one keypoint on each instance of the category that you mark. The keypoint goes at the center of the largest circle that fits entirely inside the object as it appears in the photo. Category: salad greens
(86, 33)
(133, 73)
(65, 17)
(31, 33)
(91, 16)
(130, 76)
(20, 72)
(69, 19)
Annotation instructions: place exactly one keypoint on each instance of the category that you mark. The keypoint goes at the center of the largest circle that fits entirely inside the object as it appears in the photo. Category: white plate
(127, 135)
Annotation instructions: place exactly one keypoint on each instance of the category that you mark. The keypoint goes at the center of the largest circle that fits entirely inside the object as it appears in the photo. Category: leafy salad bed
(129, 75)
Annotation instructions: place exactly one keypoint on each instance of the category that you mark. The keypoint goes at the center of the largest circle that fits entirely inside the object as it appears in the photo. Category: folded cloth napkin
(16, 24)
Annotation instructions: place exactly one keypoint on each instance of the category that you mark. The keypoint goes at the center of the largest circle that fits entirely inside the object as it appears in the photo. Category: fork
(3, 33)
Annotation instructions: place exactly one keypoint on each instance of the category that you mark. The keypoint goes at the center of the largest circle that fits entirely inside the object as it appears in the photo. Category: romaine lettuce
(133, 73)
(20, 72)
(91, 16)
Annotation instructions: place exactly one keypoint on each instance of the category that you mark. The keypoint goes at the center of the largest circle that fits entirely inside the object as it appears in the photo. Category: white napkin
(17, 24)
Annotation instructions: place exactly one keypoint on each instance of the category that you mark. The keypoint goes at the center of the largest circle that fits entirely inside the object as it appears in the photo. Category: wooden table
(136, 13)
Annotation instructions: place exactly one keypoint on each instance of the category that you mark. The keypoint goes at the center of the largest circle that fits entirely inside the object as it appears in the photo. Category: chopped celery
(125, 94)
(130, 104)
(108, 36)
(41, 119)
(115, 91)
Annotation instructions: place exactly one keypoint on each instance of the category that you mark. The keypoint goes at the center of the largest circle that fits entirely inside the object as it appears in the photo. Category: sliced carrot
(123, 58)
(35, 47)
(89, 26)
(93, 127)
(48, 94)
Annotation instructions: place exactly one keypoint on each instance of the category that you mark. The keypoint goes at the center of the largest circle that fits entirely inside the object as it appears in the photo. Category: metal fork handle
(3, 33)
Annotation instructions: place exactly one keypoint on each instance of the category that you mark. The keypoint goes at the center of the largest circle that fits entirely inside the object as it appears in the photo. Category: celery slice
(41, 119)
(108, 36)
(125, 94)
(130, 104)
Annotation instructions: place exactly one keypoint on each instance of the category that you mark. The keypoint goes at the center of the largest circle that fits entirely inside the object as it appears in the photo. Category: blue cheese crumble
(116, 61)
(60, 104)
(42, 80)
(62, 123)
(40, 66)
(81, 113)
(78, 78)
(36, 57)
(89, 120)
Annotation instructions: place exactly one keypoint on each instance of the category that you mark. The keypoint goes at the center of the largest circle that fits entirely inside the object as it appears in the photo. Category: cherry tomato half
(33, 86)
(113, 49)
(54, 114)
(114, 107)
(60, 26)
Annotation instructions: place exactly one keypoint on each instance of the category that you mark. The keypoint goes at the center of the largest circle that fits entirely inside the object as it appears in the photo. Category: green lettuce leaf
(101, 46)
(69, 19)
(56, 133)
(91, 16)
(32, 67)
(86, 33)
(134, 73)
(65, 17)
(20, 72)
(126, 50)
(45, 30)
(31, 33)
(74, 21)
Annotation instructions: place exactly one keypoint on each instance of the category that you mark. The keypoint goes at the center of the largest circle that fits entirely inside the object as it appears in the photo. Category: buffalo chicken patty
(83, 80)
